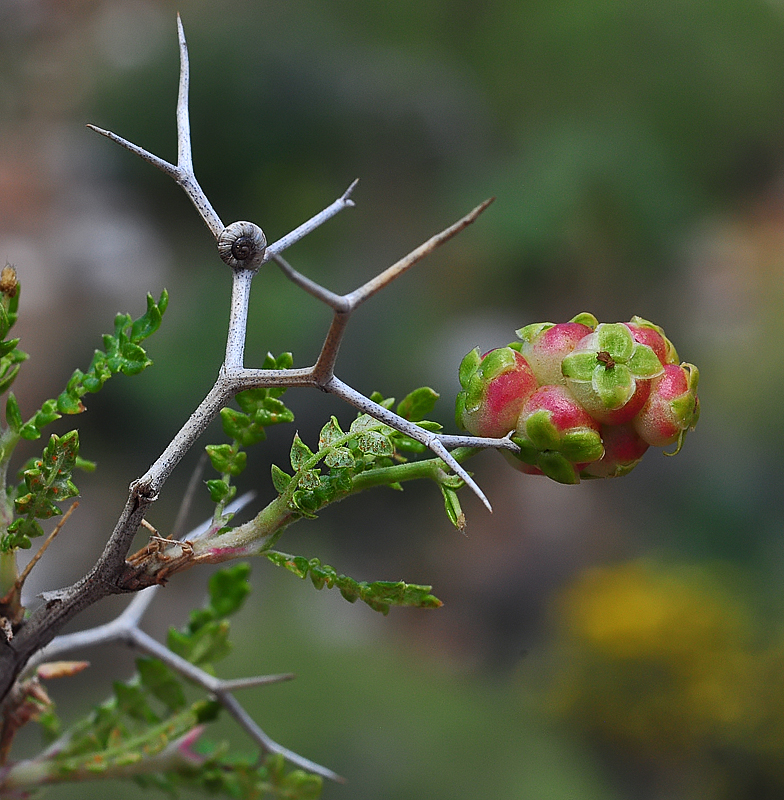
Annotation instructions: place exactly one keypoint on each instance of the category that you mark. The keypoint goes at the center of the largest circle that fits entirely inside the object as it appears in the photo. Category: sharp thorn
(347, 194)
(251, 683)
(180, 29)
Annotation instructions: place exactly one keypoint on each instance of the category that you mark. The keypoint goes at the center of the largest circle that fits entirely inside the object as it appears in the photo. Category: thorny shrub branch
(125, 629)
(243, 246)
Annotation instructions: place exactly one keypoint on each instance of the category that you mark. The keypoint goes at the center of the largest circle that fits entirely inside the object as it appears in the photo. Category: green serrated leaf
(225, 459)
(240, 427)
(340, 457)
(363, 422)
(322, 575)
(122, 354)
(250, 399)
(146, 325)
(229, 588)
(379, 595)
(133, 359)
(300, 453)
(329, 433)
(297, 564)
(375, 443)
(273, 412)
(280, 479)
(418, 404)
(50, 480)
(13, 416)
(161, 682)
(20, 532)
(220, 491)
(309, 479)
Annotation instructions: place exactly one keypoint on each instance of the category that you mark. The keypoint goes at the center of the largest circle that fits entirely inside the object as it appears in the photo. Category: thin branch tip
(480, 208)
(347, 194)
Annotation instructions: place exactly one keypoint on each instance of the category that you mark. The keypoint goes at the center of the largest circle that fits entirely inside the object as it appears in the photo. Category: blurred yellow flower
(666, 662)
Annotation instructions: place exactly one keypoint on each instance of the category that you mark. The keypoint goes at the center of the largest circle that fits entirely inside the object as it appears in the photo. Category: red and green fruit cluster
(581, 399)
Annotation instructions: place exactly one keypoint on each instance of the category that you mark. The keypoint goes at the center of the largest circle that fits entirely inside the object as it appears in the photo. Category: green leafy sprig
(368, 445)
(379, 595)
(46, 481)
(369, 454)
(230, 775)
(122, 353)
(11, 357)
(205, 638)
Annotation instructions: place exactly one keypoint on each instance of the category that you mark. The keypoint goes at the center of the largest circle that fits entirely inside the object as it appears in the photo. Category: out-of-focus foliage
(671, 663)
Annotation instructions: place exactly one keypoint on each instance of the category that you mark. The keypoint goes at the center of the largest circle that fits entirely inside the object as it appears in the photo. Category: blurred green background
(618, 639)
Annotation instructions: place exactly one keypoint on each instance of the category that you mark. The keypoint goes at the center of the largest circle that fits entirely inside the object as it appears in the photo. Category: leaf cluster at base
(148, 721)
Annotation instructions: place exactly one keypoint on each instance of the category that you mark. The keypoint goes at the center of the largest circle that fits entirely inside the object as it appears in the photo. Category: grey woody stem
(238, 318)
(337, 302)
